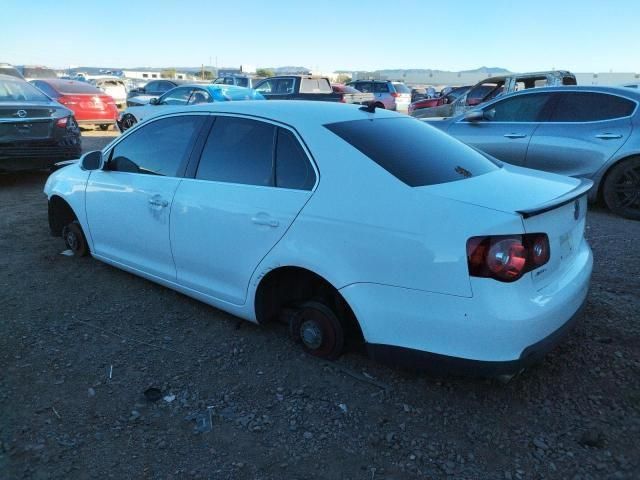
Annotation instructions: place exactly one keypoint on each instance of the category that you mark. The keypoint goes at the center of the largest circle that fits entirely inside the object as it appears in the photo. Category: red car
(434, 102)
(89, 104)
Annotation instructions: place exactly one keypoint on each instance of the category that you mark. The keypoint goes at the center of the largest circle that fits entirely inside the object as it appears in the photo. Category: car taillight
(395, 94)
(67, 100)
(342, 100)
(507, 257)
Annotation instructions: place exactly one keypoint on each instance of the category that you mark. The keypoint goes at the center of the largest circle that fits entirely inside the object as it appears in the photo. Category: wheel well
(600, 194)
(60, 214)
(380, 105)
(285, 287)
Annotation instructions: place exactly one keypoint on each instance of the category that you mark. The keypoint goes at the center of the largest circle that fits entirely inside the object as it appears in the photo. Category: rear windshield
(76, 87)
(36, 72)
(413, 152)
(20, 91)
(401, 88)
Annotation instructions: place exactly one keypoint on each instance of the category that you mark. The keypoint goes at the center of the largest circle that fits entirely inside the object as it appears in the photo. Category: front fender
(70, 183)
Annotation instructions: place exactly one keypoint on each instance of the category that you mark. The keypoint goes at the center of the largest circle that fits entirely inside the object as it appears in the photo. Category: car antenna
(369, 107)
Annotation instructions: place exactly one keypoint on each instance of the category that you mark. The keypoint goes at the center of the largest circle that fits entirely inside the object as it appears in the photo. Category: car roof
(292, 112)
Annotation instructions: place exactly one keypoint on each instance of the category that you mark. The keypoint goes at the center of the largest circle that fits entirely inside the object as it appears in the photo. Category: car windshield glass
(20, 91)
(412, 151)
(401, 88)
(35, 72)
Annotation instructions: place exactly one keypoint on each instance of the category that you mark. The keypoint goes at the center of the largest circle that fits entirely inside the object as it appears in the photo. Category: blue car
(193, 94)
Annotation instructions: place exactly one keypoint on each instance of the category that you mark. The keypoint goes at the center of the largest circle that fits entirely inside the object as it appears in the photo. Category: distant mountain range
(286, 69)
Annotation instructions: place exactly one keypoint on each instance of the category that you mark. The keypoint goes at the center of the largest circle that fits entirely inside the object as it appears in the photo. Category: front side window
(521, 108)
(159, 148)
(198, 96)
(293, 169)
(177, 96)
(413, 152)
(238, 150)
(265, 87)
(590, 107)
(364, 87)
(284, 86)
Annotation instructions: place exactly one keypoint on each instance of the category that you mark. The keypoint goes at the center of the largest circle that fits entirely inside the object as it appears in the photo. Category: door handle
(514, 135)
(609, 136)
(269, 222)
(158, 202)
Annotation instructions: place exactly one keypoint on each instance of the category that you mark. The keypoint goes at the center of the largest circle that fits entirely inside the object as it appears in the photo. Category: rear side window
(401, 88)
(412, 151)
(158, 148)
(521, 108)
(238, 150)
(314, 85)
(590, 107)
(293, 169)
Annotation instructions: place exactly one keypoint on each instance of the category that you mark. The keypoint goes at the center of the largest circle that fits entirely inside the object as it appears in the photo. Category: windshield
(412, 151)
(20, 91)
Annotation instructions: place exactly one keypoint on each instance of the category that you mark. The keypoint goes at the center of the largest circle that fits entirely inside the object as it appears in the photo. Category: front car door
(252, 180)
(584, 130)
(128, 203)
(507, 127)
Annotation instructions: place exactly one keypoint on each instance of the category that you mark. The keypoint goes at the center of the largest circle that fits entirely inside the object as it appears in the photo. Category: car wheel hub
(311, 334)
(72, 240)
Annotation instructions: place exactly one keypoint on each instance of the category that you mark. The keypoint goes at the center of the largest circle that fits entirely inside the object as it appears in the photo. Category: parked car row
(491, 88)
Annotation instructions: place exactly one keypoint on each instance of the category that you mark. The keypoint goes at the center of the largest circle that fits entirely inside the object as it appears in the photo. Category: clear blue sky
(579, 35)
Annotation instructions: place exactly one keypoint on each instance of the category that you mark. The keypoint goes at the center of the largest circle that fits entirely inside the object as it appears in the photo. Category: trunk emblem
(21, 113)
(576, 209)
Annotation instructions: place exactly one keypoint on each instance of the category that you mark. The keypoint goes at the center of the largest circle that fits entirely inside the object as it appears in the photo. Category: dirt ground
(80, 342)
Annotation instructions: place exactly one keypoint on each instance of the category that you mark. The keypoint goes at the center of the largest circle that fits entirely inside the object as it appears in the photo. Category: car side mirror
(154, 101)
(474, 116)
(91, 160)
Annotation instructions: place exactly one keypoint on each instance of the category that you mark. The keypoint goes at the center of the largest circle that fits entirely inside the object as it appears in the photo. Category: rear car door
(252, 180)
(128, 203)
(507, 127)
(584, 130)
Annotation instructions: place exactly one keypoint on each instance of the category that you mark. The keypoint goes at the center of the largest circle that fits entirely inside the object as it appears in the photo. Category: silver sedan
(591, 132)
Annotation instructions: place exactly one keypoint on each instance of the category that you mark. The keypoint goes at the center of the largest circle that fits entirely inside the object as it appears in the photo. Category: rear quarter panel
(362, 225)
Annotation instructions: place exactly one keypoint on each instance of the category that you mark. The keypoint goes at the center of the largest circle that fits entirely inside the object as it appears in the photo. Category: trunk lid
(24, 121)
(548, 203)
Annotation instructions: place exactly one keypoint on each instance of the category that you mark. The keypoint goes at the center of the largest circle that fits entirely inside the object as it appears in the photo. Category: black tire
(319, 329)
(104, 128)
(127, 121)
(75, 240)
(621, 189)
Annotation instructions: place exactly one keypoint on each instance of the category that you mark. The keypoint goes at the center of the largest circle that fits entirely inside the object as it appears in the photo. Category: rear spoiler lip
(582, 188)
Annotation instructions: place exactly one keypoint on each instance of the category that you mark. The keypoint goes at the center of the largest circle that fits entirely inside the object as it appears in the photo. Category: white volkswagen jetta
(348, 223)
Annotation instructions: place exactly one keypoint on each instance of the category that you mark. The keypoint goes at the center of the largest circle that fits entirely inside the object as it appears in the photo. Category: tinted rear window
(76, 87)
(412, 151)
(591, 107)
(31, 72)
